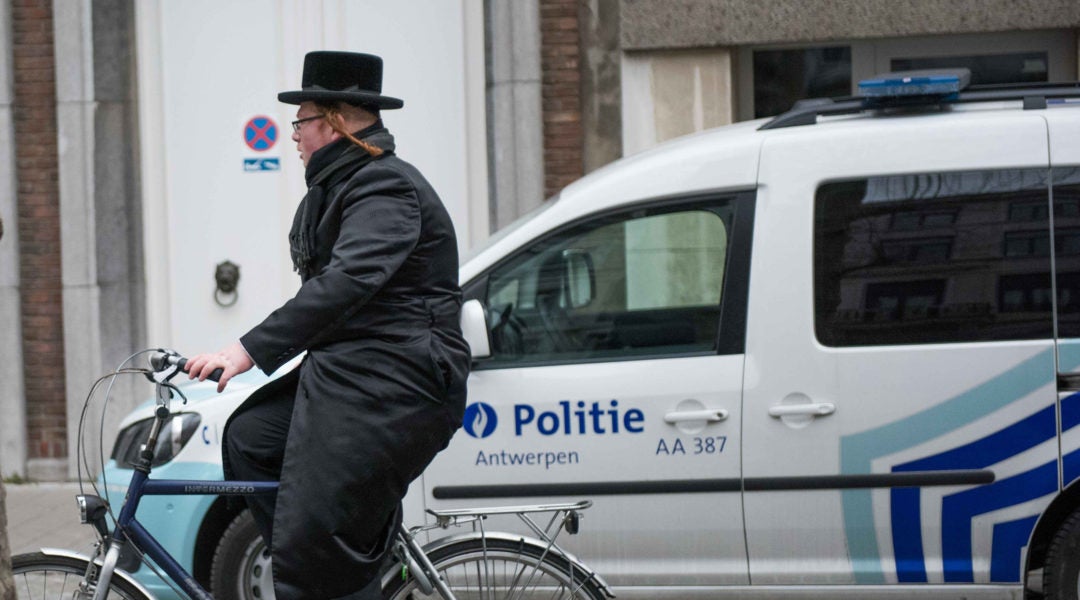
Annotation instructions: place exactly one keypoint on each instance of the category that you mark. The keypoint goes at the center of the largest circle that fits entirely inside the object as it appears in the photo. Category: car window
(621, 286)
(936, 257)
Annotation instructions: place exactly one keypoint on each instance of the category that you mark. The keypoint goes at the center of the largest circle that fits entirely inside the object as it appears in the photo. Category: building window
(781, 77)
(1021, 67)
(917, 251)
(904, 300)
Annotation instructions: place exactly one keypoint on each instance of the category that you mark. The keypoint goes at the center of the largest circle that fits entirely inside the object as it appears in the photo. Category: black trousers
(255, 448)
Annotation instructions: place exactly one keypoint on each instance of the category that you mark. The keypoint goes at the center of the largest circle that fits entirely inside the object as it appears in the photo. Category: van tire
(241, 565)
(1061, 576)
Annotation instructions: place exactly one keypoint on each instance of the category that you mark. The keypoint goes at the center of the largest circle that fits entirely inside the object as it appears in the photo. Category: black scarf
(329, 166)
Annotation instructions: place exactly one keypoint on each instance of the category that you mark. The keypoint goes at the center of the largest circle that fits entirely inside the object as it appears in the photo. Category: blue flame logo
(480, 420)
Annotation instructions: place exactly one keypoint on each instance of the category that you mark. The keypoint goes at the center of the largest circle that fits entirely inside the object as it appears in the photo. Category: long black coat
(382, 388)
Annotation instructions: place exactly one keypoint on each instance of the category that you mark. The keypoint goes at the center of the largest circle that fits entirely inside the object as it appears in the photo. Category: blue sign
(255, 165)
(260, 133)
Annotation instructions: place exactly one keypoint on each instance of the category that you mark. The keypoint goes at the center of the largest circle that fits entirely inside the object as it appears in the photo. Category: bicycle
(476, 564)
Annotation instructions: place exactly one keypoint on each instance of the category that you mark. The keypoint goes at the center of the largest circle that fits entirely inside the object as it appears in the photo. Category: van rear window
(940, 257)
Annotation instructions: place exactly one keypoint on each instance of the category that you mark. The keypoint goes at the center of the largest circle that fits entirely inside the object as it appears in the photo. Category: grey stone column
(601, 83)
(515, 128)
(12, 394)
(104, 300)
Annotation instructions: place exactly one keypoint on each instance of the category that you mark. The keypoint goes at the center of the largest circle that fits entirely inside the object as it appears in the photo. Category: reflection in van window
(1066, 183)
(620, 286)
(936, 258)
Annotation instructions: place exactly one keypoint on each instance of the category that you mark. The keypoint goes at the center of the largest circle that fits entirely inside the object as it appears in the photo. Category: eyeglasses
(297, 123)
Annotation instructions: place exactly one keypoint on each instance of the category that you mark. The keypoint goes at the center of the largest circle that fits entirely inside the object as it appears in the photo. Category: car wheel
(241, 566)
(1061, 576)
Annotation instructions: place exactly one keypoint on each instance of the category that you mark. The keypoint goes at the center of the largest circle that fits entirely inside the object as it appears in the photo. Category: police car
(826, 354)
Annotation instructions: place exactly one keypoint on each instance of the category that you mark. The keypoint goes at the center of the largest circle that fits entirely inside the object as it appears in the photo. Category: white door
(899, 403)
(221, 176)
(617, 376)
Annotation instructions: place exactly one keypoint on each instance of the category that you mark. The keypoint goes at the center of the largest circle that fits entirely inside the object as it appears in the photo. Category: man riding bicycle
(382, 388)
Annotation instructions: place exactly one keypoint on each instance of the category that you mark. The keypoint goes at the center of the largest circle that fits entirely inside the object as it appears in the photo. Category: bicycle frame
(129, 528)
(166, 365)
(407, 548)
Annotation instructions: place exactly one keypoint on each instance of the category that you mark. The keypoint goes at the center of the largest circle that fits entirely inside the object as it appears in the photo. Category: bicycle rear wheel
(41, 576)
(502, 569)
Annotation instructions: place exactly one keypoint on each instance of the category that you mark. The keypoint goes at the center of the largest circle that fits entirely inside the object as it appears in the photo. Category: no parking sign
(260, 133)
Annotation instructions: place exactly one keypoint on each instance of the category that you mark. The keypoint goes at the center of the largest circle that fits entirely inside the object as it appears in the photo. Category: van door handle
(817, 409)
(712, 415)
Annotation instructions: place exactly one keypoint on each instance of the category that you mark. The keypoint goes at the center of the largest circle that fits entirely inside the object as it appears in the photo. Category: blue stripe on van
(1008, 544)
(905, 505)
(958, 510)
(857, 451)
(907, 535)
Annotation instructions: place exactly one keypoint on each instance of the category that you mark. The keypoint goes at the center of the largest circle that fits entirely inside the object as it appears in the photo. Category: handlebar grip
(214, 376)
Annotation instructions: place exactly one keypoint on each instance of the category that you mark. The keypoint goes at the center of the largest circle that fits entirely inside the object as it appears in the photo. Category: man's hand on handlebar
(232, 360)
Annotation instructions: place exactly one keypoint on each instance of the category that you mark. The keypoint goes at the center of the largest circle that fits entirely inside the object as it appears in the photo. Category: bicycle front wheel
(480, 569)
(43, 577)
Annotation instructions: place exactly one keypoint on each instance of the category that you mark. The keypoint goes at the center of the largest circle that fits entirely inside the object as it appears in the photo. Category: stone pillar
(104, 300)
(515, 142)
(12, 393)
(601, 94)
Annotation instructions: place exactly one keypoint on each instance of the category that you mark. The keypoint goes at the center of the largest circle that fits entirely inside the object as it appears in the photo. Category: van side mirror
(580, 278)
(474, 328)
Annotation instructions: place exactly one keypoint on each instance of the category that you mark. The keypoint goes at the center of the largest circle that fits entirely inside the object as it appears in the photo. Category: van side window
(1066, 183)
(936, 258)
(625, 286)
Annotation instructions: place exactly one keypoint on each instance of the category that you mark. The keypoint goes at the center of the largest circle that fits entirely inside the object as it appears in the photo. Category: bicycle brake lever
(168, 388)
(178, 391)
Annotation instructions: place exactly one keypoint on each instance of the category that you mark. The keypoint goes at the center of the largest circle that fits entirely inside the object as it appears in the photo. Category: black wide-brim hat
(350, 77)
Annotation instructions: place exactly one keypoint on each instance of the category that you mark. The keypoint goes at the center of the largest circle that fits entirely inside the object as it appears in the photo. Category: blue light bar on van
(936, 82)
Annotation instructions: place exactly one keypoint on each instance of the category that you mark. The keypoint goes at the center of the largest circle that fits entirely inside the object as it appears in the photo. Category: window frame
(730, 336)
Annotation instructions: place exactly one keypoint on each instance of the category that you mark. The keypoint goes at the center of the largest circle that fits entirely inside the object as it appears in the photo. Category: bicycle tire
(39, 576)
(240, 569)
(504, 569)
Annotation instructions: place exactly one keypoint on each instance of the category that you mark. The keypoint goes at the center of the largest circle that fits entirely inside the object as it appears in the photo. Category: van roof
(923, 90)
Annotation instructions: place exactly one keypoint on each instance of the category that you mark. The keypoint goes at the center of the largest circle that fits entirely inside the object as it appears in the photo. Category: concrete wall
(654, 24)
(12, 394)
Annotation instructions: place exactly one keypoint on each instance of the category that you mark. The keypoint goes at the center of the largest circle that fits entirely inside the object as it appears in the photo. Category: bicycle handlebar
(163, 360)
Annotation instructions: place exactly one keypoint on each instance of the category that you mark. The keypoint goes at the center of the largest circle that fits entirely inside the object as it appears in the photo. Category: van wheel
(1061, 576)
(241, 566)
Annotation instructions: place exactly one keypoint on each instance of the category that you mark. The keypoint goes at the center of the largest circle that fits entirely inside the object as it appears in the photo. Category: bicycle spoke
(59, 578)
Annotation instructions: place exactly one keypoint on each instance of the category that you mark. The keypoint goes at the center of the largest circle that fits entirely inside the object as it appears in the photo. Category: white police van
(823, 355)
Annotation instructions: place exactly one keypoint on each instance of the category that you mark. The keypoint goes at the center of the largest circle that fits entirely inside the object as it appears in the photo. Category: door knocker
(227, 275)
